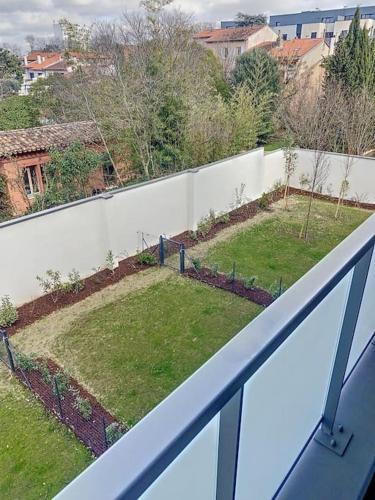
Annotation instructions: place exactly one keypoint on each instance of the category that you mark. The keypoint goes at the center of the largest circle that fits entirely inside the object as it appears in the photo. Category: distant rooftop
(296, 48)
(228, 34)
(13, 142)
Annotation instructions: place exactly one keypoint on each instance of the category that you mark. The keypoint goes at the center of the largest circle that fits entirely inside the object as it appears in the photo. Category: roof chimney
(38, 59)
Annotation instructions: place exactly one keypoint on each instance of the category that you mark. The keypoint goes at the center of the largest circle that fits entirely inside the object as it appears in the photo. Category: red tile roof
(49, 61)
(227, 34)
(13, 142)
(296, 48)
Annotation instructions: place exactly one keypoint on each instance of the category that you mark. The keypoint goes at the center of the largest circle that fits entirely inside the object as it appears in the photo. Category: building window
(367, 16)
(30, 181)
(349, 18)
(226, 52)
(328, 19)
(239, 51)
(277, 23)
(31, 76)
(285, 36)
(313, 34)
(329, 34)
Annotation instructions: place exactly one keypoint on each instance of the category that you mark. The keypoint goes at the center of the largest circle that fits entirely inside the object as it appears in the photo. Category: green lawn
(272, 248)
(273, 146)
(38, 455)
(133, 352)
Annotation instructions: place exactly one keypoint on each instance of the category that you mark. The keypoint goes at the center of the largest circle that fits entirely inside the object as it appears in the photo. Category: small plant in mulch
(42, 367)
(51, 283)
(249, 282)
(193, 235)
(8, 312)
(61, 380)
(277, 289)
(214, 269)
(114, 432)
(82, 405)
(223, 219)
(231, 276)
(147, 259)
(110, 261)
(75, 283)
(264, 201)
(26, 363)
(197, 264)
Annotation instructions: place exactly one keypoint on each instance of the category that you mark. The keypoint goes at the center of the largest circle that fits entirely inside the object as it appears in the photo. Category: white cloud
(21, 17)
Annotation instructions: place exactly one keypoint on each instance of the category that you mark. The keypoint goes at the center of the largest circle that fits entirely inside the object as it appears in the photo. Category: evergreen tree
(353, 63)
(259, 72)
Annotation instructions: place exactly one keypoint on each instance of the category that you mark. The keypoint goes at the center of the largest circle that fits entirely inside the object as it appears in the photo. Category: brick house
(24, 152)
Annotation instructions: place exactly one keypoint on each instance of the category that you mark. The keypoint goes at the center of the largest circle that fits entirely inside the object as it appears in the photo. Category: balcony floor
(322, 474)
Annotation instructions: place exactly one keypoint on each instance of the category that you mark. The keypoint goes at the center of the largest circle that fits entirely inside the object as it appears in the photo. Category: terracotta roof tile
(296, 48)
(46, 63)
(228, 34)
(13, 142)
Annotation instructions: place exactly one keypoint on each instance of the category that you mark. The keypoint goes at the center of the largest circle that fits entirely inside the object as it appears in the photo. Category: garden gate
(169, 248)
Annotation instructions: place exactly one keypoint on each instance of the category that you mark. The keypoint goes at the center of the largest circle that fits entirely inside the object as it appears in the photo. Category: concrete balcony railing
(243, 423)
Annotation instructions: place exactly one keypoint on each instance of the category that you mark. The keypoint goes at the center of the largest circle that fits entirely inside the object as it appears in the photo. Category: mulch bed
(333, 199)
(43, 306)
(255, 294)
(90, 432)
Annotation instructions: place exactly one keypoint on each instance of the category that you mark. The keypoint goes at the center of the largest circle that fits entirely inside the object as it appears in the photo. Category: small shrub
(215, 270)
(197, 264)
(231, 276)
(75, 283)
(249, 282)
(51, 283)
(95, 278)
(264, 201)
(193, 235)
(114, 432)
(8, 312)
(43, 369)
(83, 406)
(147, 258)
(223, 219)
(276, 289)
(110, 261)
(26, 363)
(62, 382)
(204, 227)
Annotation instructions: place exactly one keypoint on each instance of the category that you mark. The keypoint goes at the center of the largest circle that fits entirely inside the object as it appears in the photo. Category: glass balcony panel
(284, 400)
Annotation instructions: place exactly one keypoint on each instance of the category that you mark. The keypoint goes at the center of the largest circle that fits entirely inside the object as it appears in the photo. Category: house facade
(25, 152)
(229, 43)
(301, 58)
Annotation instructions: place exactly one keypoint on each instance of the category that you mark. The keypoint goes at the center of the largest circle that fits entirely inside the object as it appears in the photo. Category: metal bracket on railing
(337, 441)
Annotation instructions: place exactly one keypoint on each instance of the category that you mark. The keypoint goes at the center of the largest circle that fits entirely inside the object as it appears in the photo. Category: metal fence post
(229, 440)
(331, 435)
(161, 250)
(182, 258)
(5, 338)
(58, 398)
(105, 433)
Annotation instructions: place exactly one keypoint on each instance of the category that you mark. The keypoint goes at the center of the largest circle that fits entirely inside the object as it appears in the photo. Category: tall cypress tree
(352, 64)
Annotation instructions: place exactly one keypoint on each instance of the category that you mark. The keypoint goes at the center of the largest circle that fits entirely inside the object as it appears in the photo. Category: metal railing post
(182, 258)
(4, 336)
(331, 435)
(161, 250)
(229, 440)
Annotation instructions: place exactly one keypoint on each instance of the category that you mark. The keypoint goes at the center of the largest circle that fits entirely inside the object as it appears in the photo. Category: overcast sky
(19, 18)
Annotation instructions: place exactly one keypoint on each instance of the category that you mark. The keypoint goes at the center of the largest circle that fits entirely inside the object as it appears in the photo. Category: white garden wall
(80, 234)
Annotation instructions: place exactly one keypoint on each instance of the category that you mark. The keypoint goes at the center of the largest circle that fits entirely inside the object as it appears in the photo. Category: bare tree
(308, 118)
(290, 157)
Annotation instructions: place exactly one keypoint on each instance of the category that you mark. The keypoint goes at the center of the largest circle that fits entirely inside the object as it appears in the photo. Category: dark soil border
(91, 431)
(44, 305)
(333, 199)
(236, 286)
